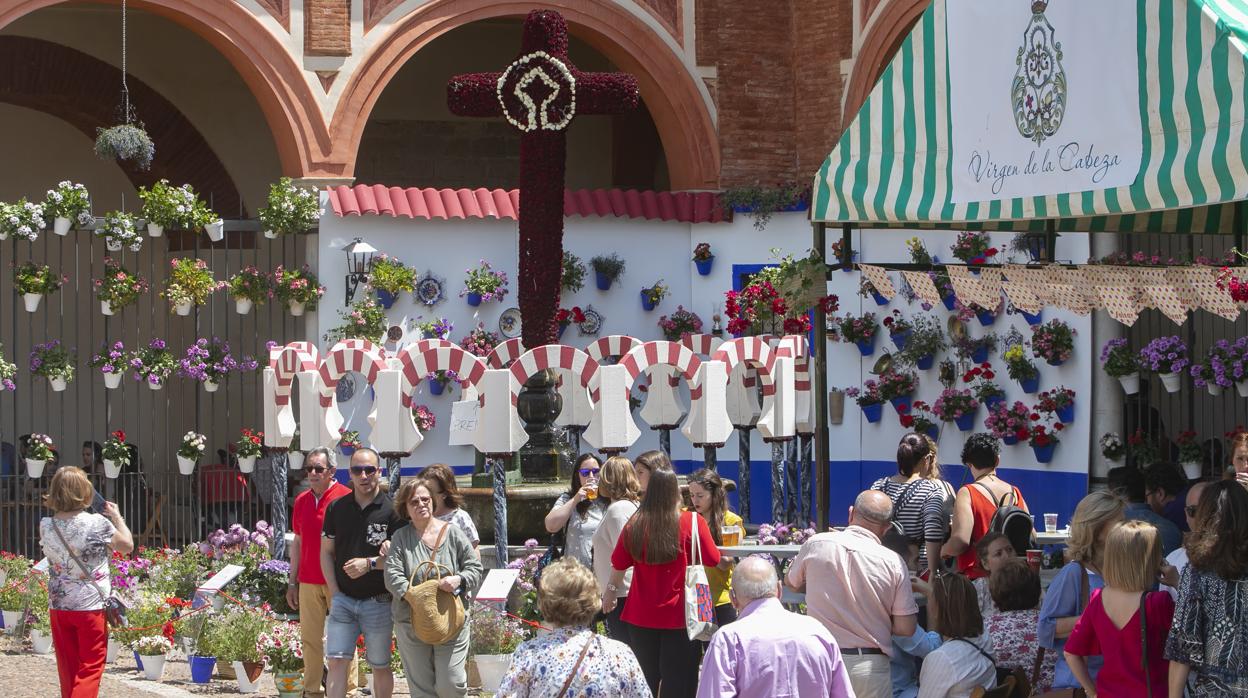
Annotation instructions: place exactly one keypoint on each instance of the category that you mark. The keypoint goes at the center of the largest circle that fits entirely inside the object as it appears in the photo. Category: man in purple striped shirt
(770, 652)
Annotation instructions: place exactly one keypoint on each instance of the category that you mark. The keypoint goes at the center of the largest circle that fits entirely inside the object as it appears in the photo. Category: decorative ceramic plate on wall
(509, 323)
(593, 321)
(430, 289)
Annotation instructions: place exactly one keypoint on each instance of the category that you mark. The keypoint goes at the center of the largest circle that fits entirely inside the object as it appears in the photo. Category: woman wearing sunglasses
(579, 511)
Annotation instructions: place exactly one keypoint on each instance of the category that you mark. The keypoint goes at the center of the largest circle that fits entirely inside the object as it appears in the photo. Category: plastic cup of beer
(591, 492)
(1050, 523)
(731, 535)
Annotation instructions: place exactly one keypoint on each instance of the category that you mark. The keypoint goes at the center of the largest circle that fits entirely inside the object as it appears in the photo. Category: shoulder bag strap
(979, 649)
(904, 498)
(1084, 591)
(70, 551)
(572, 674)
(432, 561)
(1148, 681)
(1036, 665)
(695, 541)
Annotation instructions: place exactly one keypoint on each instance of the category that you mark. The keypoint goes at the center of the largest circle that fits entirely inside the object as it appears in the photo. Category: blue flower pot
(980, 355)
(603, 281)
(1044, 454)
(948, 301)
(436, 387)
(563, 327)
(934, 432)
(867, 347)
(901, 404)
(138, 662)
(986, 317)
(1031, 385)
(966, 422)
(1032, 320)
(879, 300)
(474, 299)
(1054, 362)
(926, 362)
(386, 298)
(704, 265)
(1066, 415)
(873, 412)
(645, 302)
(346, 450)
(899, 339)
(1009, 440)
(847, 268)
(992, 402)
(202, 668)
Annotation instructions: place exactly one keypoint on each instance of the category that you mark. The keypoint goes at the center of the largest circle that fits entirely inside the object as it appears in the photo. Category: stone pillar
(1105, 402)
(547, 456)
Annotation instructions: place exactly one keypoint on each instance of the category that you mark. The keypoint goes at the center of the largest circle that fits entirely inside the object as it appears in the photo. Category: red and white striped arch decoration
(798, 347)
(293, 358)
(428, 355)
(699, 344)
(359, 355)
(755, 352)
(504, 354)
(580, 363)
(667, 354)
(611, 346)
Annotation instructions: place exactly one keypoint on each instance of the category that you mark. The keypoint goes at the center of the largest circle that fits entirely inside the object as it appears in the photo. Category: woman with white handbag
(670, 605)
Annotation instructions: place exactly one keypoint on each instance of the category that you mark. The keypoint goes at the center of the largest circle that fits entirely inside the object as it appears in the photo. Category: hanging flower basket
(155, 230)
(125, 142)
(874, 412)
(1131, 383)
(31, 301)
(1170, 381)
(925, 362)
(34, 467)
(986, 317)
(902, 403)
(1044, 454)
(1033, 320)
(1030, 385)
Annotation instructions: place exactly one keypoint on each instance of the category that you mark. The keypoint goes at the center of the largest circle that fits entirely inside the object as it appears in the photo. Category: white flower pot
(32, 301)
(1130, 383)
(211, 386)
(1192, 469)
(11, 619)
(270, 234)
(296, 308)
(34, 468)
(247, 464)
(218, 602)
(1214, 389)
(114, 649)
(242, 305)
(112, 469)
(1242, 388)
(106, 307)
(183, 308)
(1170, 381)
(58, 384)
(295, 458)
(215, 230)
(61, 226)
(41, 643)
(157, 385)
(112, 245)
(112, 381)
(245, 685)
(4, 577)
(186, 466)
(492, 667)
(155, 230)
(153, 666)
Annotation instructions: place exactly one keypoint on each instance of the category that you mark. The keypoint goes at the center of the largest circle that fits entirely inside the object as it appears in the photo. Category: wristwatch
(372, 563)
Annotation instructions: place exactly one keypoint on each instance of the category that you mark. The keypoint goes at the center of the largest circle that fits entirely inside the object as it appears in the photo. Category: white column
(1106, 399)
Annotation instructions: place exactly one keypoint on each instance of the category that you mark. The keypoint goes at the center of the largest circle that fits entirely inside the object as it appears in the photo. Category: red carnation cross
(540, 93)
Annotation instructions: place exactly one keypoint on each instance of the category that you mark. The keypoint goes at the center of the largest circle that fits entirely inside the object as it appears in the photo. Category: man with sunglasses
(356, 536)
(307, 591)
(1177, 561)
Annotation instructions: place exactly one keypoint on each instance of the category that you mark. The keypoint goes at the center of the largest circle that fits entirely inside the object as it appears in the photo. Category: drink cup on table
(730, 535)
(1050, 523)
(1035, 558)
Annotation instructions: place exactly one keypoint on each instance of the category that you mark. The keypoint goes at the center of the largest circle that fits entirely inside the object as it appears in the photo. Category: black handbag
(554, 551)
(114, 608)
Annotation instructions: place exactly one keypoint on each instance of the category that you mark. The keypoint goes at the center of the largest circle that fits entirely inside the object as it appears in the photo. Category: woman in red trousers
(77, 545)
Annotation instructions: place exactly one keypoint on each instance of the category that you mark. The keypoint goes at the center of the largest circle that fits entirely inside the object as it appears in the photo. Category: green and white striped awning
(892, 168)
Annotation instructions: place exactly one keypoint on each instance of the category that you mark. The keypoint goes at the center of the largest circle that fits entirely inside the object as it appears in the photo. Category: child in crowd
(994, 550)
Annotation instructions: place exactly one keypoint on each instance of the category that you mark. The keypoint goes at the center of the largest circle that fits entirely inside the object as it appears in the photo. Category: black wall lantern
(359, 265)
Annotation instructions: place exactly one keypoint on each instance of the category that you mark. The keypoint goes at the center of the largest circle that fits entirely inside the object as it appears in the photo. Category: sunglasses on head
(586, 472)
(363, 469)
(315, 469)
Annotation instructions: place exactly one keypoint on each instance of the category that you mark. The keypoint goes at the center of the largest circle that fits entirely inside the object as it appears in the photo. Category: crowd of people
(925, 593)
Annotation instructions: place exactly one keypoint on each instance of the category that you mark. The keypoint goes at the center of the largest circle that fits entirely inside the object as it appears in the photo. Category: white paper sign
(464, 416)
(42, 566)
(218, 581)
(1045, 102)
(497, 584)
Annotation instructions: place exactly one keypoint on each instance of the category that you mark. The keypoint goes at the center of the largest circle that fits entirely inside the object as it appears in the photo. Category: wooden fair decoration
(539, 94)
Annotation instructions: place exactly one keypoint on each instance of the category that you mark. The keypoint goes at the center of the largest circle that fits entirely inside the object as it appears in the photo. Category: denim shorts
(349, 618)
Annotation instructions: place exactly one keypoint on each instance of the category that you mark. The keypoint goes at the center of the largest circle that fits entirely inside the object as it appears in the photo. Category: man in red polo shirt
(307, 592)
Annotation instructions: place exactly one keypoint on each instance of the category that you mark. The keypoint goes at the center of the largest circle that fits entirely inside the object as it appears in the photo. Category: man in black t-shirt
(355, 539)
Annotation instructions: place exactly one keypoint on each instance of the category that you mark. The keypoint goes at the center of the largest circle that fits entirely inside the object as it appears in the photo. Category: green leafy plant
(1018, 365)
(8, 370)
(763, 202)
(657, 292)
(291, 209)
(190, 281)
(36, 278)
(349, 438)
(485, 282)
(680, 322)
(251, 284)
(40, 447)
(118, 287)
(22, 220)
(69, 200)
(193, 445)
(365, 319)
(125, 142)
(52, 360)
(249, 444)
(174, 207)
(610, 266)
(297, 286)
(492, 632)
(573, 277)
(702, 252)
(926, 339)
(391, 275)
(118, 231)
(115, 448)
(153, 363)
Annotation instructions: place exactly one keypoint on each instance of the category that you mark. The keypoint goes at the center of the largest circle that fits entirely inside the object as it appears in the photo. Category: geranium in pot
(1167, 357)
(917, 417)
(1112, 446)
(1010, 423)
(117, 288)
(210, 642)
(973, 247)
(572, 277)
(153, 364)
(483, 284)
(34, 281)
(112, 360)
(39, 450)
(1059, 402)
(703, 258)
(980, 378)
(153, 650)
(8, 371)
(860, 330)
(54, 362)
(116, 454)
(290, 209)
(958, 406)
(68, 204)
(190, 283)
(1021, 368)
(119, 232)
(569, 316)
(1143, 448)
(607, 269)
(1053, 341)
(479, 341)
(898, 328)
(297, 288)
(1118, 361)
(868, 398)
(38, 620)
(210, 362)
(248, 448)
(281, 648)
(494, 637)
(249, 287)
(1191, 455)
(390, 277)
(14, 592)
(777, 297)
(654, 294)
(1214, 374)
(424, 418)
(348, 441)
(1042, 437)
(365, 319)
(898, 386)
(926, 340)
(190, 451)
(679, 323)
(22, 220)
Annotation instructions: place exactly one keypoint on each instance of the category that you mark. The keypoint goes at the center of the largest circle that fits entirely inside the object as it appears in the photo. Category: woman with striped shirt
(918, 502)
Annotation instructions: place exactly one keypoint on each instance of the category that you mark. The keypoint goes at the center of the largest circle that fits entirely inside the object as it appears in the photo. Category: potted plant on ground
(986, 391)
(210, 363)
(125, 142)
(12, 567)
(1043, 438)
(898, 328)
(116, 454)
(112, 360)
(917, 417)
(483, 284)
(868, 398)
(282, 651)
(249, 287)
(23, 220)
(153, 364)
(348, 441)
(1021, 368)
(652, 295)
(1112, 447)
(572, 278)
(390, 277)
(117, 288)
(118, 231)
(54, 362)
(297, 288)
(898, 386)
(958, 406)
(190, 283)
(973, 247)
(479, 341)
(209, 641)
(494, 637)
(365, 319)
(291, 209)
(1118, 361)
(8, 371)
(703, 258)
(248, 448)
(1054, 341)
(34, 281)
(66, 205)
(13, 593)
(1010, 423)
(606, 270)
(1167, 357)
(569, 316)
(1191, 455)
(679, 323)
(153, 650)
(926, 340)
(189, 453)
(1214, 373)
(39, 450)
(38, 621)
(860, 330)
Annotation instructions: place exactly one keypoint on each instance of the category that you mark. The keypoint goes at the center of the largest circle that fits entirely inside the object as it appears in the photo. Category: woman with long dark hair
(706, 493)
(448, 502)
(649, 462)
(658, 545)
(579, 511)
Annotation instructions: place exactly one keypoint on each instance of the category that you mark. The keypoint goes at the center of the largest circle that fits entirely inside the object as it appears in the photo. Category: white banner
(1043, 97)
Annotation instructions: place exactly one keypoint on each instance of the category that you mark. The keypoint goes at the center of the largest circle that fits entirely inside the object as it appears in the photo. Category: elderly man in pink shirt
(769, 652)
(860, 591)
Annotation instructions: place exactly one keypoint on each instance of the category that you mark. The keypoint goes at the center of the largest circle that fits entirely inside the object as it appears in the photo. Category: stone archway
(889, 25)
(686, 130)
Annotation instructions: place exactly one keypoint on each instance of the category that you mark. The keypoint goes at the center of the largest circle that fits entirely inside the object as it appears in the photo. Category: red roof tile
(428, 203)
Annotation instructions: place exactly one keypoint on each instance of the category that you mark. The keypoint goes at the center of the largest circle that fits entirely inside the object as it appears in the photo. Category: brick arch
(275, 78)
(686, 128)
(890, 24)
(83, 91)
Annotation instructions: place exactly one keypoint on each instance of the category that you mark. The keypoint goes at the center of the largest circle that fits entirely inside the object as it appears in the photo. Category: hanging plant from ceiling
(127, 141)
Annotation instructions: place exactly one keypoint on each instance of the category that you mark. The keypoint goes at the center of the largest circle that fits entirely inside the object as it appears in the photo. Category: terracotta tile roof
(429, 203)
